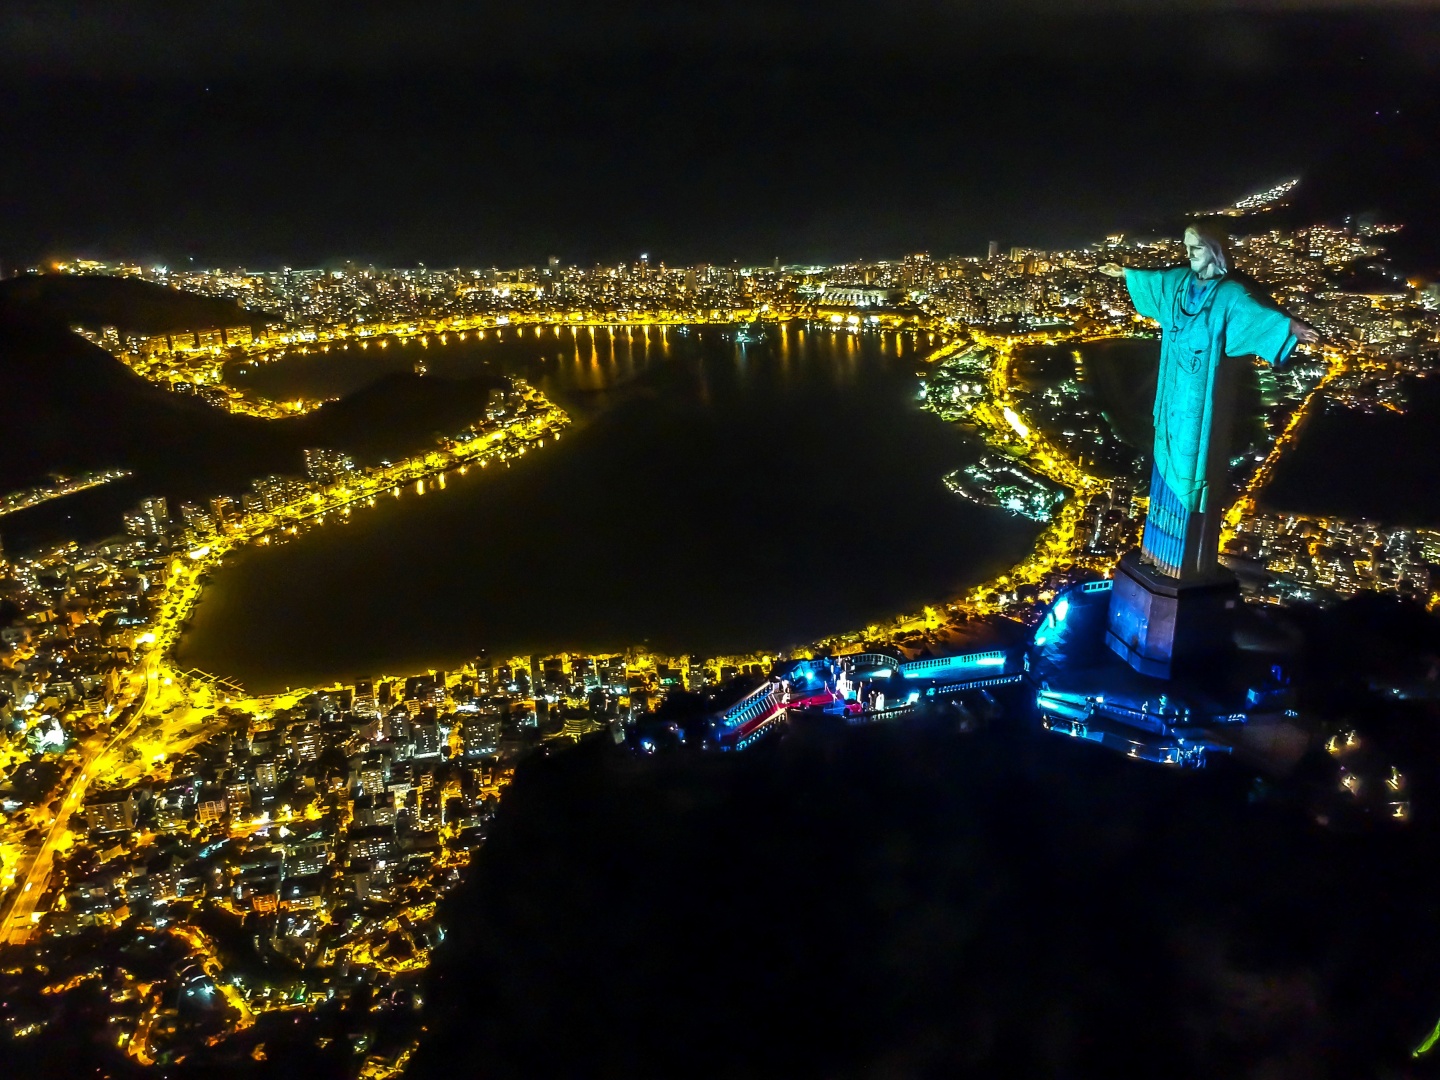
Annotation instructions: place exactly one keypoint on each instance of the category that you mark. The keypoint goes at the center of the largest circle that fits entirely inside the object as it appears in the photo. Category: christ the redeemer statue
(1204, 316)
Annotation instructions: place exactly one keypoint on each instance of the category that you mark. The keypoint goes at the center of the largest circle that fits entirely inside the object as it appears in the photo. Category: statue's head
(1206, 248)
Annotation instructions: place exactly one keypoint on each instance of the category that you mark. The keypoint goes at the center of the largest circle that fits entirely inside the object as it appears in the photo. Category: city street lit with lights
(680, 659)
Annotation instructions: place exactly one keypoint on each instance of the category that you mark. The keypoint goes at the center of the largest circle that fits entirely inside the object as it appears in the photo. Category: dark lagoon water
(710, 498)
(1382, 466)
(1118, 378)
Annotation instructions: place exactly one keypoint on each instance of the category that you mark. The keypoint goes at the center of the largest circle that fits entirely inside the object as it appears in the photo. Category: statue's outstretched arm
(1257, 326)
(1255, 297)
(1144, 286)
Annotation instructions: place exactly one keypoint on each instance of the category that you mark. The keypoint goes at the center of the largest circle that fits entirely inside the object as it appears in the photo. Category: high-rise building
(425, 735)
(266, 775)
(614, 672)
(365, 698)
(481, 733)
(196, 519)
(993, 251)
(327, 466)
(223, 509)
(305, 741)
(151, 518)
(112, 811)
(696, 676)
(273, 492)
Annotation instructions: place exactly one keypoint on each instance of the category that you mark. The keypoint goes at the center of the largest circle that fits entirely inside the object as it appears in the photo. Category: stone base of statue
(1161, 626)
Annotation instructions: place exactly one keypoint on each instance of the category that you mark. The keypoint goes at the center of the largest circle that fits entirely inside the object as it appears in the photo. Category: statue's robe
(1201, 323)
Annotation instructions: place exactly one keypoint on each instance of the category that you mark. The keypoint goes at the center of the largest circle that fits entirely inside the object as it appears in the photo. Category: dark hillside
(393, 417)
(130, 305)
(68, 406)
(896, 902)
(1387, 171)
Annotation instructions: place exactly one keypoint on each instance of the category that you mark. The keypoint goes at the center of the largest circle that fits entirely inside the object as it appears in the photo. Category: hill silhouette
(897, 901)
(128, 304)
(68, 406)
(1386, 171)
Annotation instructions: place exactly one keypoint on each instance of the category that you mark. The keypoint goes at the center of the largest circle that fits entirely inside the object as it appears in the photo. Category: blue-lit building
(862, 687)
(1239, 700)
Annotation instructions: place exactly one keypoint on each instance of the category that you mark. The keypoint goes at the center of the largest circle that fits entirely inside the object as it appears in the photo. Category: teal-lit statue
(1204, 316)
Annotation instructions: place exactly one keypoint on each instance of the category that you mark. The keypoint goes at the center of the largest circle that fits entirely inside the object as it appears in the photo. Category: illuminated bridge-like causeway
(860, 687)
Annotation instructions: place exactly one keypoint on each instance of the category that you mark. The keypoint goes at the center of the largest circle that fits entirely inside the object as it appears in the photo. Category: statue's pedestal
(1159, 625)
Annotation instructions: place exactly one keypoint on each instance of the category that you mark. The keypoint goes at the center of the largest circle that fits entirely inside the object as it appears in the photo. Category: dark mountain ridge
(1385, 170)
(130, 305)
(68, 406)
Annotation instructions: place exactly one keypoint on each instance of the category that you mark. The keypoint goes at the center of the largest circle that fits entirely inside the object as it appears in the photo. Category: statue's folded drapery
(1201, 323)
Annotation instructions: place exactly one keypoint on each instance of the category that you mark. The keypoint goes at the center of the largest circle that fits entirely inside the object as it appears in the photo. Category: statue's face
(1201, 260)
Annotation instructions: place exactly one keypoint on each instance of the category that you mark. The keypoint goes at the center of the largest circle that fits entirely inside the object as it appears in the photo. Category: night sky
(477, 134)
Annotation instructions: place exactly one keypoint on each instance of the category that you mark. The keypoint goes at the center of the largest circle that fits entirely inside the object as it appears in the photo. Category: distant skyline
(812, 133)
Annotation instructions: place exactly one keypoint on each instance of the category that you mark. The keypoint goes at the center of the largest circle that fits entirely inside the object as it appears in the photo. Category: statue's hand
(1303, 333)
(1112, 270)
